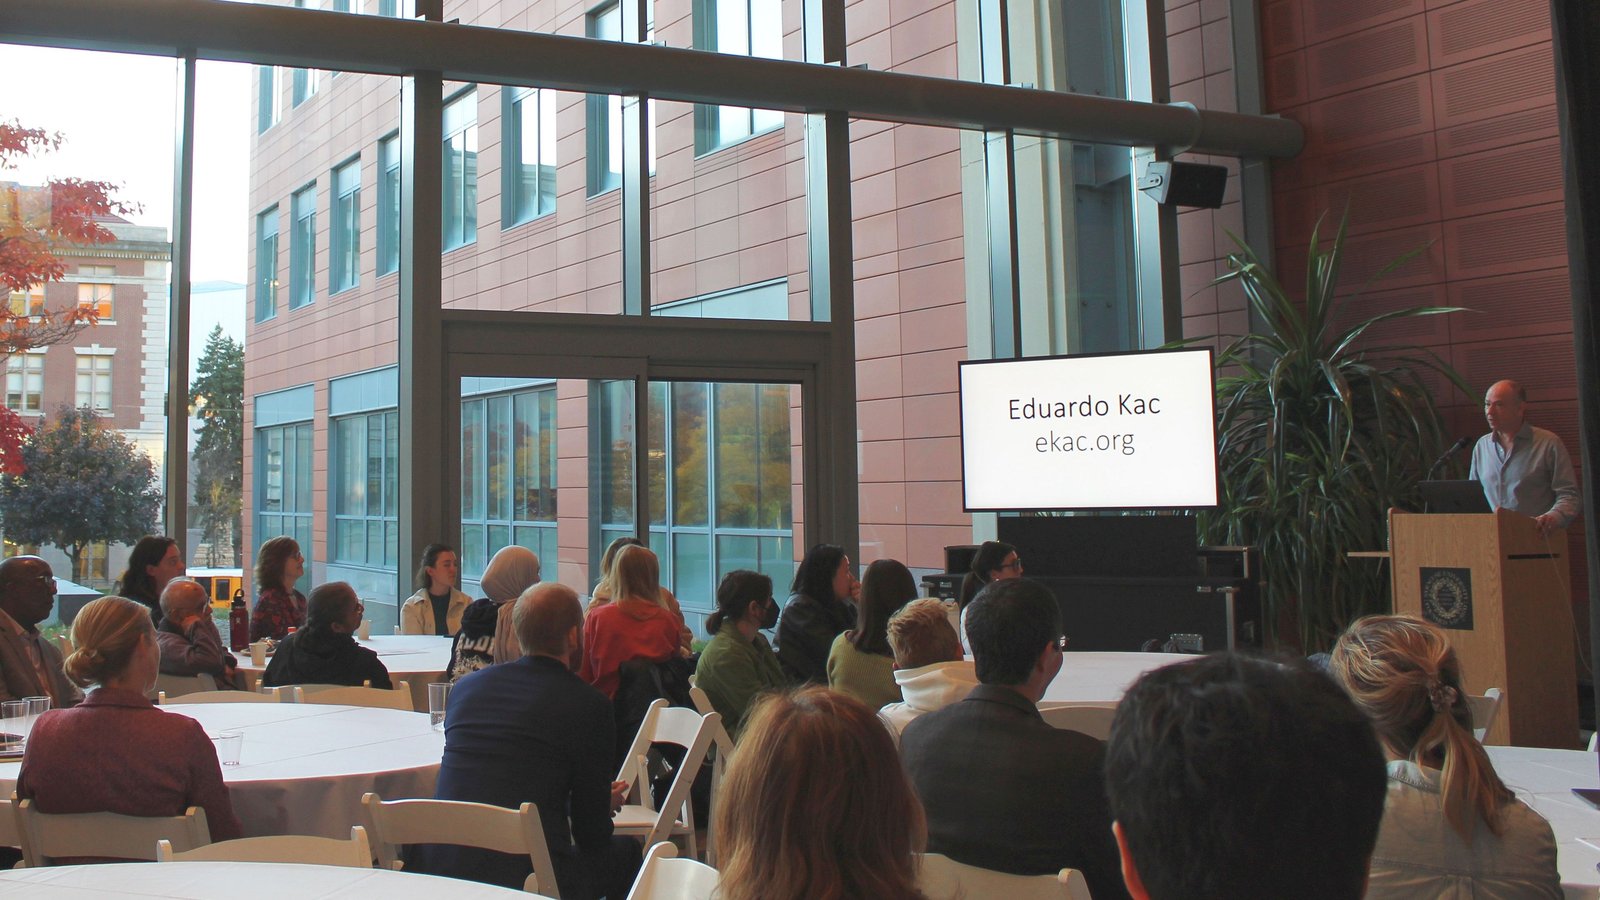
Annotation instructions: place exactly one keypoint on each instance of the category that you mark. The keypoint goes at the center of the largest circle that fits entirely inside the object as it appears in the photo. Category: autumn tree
(35, 222)
(81, 484)
(217, 399)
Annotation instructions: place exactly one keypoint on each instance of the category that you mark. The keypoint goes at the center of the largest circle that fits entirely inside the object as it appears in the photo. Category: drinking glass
(438, 697)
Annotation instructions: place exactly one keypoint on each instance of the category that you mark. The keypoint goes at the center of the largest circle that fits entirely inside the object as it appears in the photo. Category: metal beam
(307, 38)
(176, 464)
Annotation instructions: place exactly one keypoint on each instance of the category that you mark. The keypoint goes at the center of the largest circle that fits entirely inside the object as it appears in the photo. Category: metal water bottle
(238, 623)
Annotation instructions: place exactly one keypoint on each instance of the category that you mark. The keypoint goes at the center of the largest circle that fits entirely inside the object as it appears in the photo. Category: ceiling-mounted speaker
(1185, 184)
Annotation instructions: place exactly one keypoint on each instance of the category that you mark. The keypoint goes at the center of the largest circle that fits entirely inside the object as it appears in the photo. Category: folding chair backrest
(178, 685)
(399, 698)
(1484, 710)
(45, 837)
(219, 697)
(291, 848)
(641, 742)
(945, 879)
(394, 823)
(1087, 718)
(666, 877)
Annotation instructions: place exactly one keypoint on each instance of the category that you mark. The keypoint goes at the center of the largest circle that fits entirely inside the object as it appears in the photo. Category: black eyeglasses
(1014, 564)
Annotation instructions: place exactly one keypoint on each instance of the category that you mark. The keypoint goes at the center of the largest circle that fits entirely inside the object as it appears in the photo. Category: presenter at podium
(1523, 468)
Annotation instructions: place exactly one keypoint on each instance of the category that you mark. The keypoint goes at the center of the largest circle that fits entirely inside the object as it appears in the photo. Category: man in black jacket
(1003, 790)
(325, 651)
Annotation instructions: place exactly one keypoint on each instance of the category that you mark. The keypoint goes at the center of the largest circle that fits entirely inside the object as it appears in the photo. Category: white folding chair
(943, 878)
(393, 823)
(64, 643)
(179, 685)
(283, 848)
(220, 697)
(667, 725)
(666, 877)
(1484, 709)
(723, 742)
(45, 837)
(1093, 719)
(339, 695)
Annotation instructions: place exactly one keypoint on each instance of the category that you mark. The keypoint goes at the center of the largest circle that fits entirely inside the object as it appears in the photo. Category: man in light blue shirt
(1523, 468)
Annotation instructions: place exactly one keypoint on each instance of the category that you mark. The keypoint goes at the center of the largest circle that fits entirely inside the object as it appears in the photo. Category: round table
(1544, 780)
(418, 659)
(303, 767)
(1102, 677)
(237, 881)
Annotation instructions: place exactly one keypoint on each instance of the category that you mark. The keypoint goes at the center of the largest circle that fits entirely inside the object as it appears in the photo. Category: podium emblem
(1447, 597)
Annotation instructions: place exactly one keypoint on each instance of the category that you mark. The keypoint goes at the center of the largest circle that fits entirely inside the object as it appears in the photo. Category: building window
(460, 181)
(95, 295)
(745, 28)
(366, 450)
(27, 303)
(94, 383)
(269, 100)
(344, 237)
(508, 475)
(25, 382)
(283, 484)
(305, 80)
(530, 147)
(92, 569)
(342, 6)
(389, 8)
(604, 111)
(719, 481)
(303, 248)
(267, 265)
(389, 205)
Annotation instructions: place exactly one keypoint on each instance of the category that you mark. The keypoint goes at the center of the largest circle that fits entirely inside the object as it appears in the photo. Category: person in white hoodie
(928, 664)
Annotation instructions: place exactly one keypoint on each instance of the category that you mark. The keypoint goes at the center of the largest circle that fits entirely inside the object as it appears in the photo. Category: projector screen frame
(1211, 395)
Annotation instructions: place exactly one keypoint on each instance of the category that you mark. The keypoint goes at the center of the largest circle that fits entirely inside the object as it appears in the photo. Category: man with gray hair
(189, 641)
(531, 730)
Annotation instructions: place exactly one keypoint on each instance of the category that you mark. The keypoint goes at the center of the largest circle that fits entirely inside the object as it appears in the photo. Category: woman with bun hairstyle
(789, 828)
(115, 751)
(1451, 827)
(739, 664)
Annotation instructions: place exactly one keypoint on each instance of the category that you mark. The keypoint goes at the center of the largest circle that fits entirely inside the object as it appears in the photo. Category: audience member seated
(816, 804)
(153, 563)
(603, 589)
(1451, 828)
(739, 664)
(994, 561)
(821, 606)
(484, 638)
(860, 662)
(928, 665)
(637, 625)
(1003, 789)
(116, 752)
(189, 641)
(325, 651)
(30, 665)
(279, 607)
(1244, 778)
(531, 730)
(437, 605)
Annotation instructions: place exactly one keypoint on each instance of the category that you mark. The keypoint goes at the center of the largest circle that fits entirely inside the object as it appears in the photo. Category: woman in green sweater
(738, 664)
(860, 662)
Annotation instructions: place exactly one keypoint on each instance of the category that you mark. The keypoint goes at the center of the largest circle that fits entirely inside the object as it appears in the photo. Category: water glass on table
(13, 723)
(229, 743)
(438, 698)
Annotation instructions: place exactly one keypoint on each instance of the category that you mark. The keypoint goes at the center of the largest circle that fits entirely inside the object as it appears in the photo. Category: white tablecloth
(1544, 780)
(304, 767)
(1094, 676)
(416, 658)
(237, 881)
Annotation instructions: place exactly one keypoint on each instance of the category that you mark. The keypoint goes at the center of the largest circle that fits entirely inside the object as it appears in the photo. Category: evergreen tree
(217, 399)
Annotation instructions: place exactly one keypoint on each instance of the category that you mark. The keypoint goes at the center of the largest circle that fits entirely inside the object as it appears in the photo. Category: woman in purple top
(115, 751)
(279, 607)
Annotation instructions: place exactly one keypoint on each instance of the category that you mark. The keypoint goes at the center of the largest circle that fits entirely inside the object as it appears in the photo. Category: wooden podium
(1502, 594)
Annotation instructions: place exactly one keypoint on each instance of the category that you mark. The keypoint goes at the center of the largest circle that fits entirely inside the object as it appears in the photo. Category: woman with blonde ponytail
(1451, 828)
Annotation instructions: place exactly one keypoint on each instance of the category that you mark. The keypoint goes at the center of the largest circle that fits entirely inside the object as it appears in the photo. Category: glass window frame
(388, 178)
(527, 198)
(712, 131)
(293, 515)
(303, 248)
(269, 98)
(97, 370)
(603, 112)
(25, 371)
(458, 124)
(486, 523)
(267, 264)
(344, 227)
(378, 513)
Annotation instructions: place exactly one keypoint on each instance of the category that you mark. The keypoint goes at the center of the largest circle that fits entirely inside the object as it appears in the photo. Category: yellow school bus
(220, 585)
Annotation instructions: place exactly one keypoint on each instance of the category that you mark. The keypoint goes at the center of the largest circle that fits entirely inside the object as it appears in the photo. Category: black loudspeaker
(958, 558)
(1185, 184)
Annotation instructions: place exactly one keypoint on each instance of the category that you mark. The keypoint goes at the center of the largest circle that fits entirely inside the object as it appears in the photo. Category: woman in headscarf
(512, 570)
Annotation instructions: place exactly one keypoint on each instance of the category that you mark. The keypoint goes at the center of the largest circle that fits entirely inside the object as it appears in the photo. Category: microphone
(1455, 448)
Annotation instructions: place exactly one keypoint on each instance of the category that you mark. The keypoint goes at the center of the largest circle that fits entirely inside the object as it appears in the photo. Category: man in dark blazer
(30, 665)
(531, 730)
(1004, 790)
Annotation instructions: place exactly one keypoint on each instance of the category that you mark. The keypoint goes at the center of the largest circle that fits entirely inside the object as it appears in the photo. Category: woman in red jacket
(636, 625)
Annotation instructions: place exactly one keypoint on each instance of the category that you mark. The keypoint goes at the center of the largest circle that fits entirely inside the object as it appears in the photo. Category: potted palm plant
(1320, 431)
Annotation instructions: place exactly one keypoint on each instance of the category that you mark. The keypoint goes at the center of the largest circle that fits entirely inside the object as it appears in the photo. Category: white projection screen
(1113, 431)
